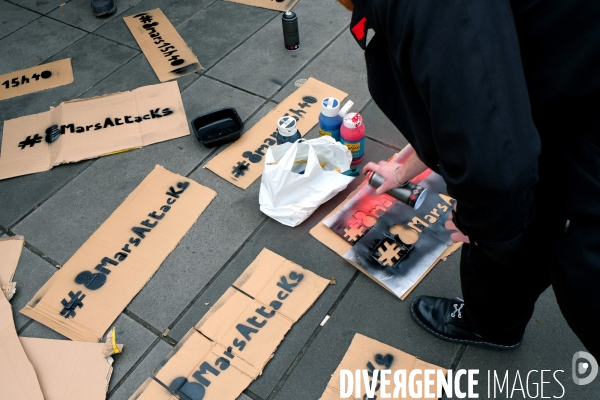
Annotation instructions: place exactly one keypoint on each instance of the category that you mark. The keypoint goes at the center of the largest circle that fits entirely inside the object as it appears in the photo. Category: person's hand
(457, 236)
(386, 171)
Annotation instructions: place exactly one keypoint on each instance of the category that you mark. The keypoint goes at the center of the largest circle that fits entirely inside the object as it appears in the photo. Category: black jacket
(478, 87)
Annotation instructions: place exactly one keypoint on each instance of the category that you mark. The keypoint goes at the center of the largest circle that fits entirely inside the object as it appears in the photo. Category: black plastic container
(218, 127)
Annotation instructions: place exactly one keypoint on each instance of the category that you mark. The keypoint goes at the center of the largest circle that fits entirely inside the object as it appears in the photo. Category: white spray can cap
(286, 126)
(330, 106)
(353, 120)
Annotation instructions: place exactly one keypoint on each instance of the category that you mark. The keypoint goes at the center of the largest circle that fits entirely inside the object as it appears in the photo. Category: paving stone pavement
(245, 66)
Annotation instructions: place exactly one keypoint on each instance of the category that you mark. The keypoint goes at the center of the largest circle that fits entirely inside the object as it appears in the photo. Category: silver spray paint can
(291, 36)
(409, 193)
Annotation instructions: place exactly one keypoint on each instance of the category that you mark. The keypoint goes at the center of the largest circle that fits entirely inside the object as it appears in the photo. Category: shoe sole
(105, 13)
(488, 345)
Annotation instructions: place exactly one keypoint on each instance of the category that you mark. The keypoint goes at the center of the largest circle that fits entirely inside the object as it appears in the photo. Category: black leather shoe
(101, 8)
(444, 318)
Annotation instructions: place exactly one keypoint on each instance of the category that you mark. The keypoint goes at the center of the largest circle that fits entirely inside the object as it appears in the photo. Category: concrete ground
(246, 66)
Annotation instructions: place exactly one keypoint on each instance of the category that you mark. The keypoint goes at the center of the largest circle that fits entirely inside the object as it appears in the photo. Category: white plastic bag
(290, 197)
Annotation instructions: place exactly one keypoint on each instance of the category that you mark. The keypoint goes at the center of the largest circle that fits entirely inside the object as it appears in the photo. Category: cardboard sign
(354, 242)
(278, 5)
(93, 127)
(35, 79)
(368, 354)
(242, 162)
(10, 252)
(232, 343)
(164, 48)
(17, 376)
(68, 370)
(89, 292)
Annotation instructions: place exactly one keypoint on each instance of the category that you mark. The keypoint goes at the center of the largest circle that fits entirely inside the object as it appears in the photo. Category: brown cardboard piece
(164, 48)
(242, 162)
(230, 346)
(68, 370)
(18, 380)
(115, 263)
(278, 5)
(10, 252)
(35, 79)
(364, 350)
(92, 128)
(330, 239)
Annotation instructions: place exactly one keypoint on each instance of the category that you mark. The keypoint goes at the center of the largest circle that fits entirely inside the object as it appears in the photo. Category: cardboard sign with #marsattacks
(243, 161)
(164, 48)
(89, 292)
(230, 346)
(91, 128)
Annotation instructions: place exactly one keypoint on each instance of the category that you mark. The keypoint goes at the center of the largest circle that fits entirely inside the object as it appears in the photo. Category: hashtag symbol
(30, 141)
(76, 300)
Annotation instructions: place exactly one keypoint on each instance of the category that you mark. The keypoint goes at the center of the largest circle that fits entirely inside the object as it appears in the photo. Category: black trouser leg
(500, 296)
(576, 281)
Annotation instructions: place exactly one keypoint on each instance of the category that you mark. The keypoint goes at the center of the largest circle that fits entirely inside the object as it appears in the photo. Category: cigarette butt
(324, 320)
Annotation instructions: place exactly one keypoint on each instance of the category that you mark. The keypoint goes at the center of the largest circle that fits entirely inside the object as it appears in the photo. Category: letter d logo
(583, 367)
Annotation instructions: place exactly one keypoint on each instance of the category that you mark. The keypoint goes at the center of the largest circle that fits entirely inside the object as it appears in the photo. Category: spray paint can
(352, 135)
(291, 36)
(287, 130)
(409, 193)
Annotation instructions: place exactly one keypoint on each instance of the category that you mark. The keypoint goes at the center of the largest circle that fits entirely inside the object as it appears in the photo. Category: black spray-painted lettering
(76, 300)
(30, 141)
(94, 281)
(14, 82)
(257, 155)
(167, 49)
(197, 391)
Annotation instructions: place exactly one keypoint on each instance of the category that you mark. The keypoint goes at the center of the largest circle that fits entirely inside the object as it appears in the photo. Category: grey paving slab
(35, 329)
(135, 73)
(78, 13)
(13, 17)
(380, 128)
(90, 198)
(243, 397)
(216, 31)
(35, 43)
(141, 372)
(549, 344)
(223, 227)
(176, 11)
(220, 231)
(93, 59)
(23, 194)
(342, 66)
(135, 339)
(40, 6)
(205, 95)
(370, 310)
(297, 245)
(31, 274)
(263, 65)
